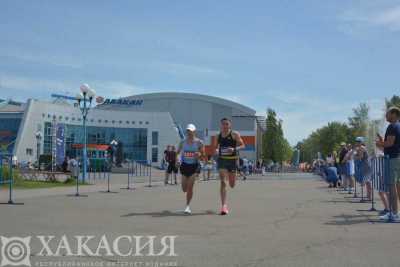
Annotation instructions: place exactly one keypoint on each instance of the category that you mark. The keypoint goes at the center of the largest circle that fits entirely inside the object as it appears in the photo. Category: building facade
(142, 125)
(142, 135)
(202, 110)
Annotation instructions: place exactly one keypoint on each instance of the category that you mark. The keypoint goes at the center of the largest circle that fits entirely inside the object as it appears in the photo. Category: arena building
(142, 125)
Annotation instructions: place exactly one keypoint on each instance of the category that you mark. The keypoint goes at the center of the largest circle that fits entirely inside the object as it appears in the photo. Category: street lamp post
(38, 139)
(85, 99)
(114, 145)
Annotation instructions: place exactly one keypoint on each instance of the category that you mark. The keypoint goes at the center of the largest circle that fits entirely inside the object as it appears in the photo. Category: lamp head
(85, 88)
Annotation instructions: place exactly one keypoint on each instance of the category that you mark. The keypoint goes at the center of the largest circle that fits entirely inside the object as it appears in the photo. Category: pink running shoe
(224, 210)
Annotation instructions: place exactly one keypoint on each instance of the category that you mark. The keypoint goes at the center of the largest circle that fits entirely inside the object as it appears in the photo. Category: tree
(360, 120)
(275, 147)
(393, 101)
(325, 140)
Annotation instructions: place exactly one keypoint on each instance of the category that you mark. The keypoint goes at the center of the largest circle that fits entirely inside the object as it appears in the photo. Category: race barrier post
(139, 168)
(6, 175)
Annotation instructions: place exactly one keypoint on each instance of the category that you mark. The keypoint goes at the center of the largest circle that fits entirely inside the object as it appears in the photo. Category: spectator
(251, 167)
(170, 158)
(391, 148)
(350, 168)
(64, 165)
(331, 175)
(209, 165)
(365, 171)
(74, 167)
(342, 164)
(245, 166)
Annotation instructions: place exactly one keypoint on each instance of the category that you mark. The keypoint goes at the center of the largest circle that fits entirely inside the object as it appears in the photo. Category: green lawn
(24, 184)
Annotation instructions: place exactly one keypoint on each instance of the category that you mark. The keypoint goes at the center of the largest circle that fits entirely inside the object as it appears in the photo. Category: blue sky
(312, 61)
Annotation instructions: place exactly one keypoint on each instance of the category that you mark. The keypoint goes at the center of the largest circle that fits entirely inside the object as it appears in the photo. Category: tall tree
(360, 120)
(275, 147)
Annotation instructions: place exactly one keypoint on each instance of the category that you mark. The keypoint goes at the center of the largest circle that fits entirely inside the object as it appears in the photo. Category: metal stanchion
(131, 169)
(150, 185)
(11, 181)
(373, 177)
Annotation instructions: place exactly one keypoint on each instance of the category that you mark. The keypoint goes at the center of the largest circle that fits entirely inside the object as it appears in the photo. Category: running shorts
(188, 170)
(172, 168)
(227, 164)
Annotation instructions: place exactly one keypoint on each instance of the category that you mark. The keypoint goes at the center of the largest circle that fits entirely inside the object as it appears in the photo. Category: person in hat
(191, 150)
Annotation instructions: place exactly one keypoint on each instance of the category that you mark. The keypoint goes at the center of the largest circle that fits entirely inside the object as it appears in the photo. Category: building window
(91, 120)
(47, 138)
(140, 122)
(154, 154)
(99, 121)
(133, 122)
(66, 118)
(106, 121)
(120, 122)
(147, 123)
(29, 152)
(154, 138)
(73, 118)
(113, 121)
(43, 115)
(60, 117)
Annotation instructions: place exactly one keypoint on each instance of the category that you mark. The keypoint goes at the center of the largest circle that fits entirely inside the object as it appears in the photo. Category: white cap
(191, 127)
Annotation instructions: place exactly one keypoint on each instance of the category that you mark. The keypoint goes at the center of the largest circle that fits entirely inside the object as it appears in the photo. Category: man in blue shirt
(391, 148)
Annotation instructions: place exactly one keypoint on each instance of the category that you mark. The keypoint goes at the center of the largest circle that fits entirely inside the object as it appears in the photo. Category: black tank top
(225, 143)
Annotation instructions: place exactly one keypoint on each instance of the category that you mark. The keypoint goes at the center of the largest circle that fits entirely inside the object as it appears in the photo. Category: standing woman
(191, 150)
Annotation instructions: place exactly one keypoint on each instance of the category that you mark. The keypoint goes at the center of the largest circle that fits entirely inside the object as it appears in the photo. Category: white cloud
(23, 85)
(188, 69)
(43, 58)
(18, 83)
(377, 15)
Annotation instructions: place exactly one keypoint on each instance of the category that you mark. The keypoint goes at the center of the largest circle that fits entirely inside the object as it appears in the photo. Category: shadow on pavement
(346, 219)
(167, 213)
(343, 201)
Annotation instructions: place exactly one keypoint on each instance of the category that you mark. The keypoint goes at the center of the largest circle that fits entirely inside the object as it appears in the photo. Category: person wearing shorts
(227, 145)
(191, 150)
(391, 149)
(172, 169)
(365, 168)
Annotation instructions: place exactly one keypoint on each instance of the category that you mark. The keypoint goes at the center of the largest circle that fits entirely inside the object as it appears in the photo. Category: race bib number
(189, 154)
(226, 151)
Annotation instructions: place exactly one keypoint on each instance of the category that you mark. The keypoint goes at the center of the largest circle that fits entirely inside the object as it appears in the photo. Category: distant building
(143, 124)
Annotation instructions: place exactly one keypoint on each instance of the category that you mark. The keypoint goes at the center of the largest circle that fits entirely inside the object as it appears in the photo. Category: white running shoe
(396, 217)
(188, 210)
(387, 216)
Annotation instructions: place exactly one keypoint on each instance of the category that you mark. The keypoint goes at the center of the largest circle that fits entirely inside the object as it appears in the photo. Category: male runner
(191, 150)
(227, 145)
